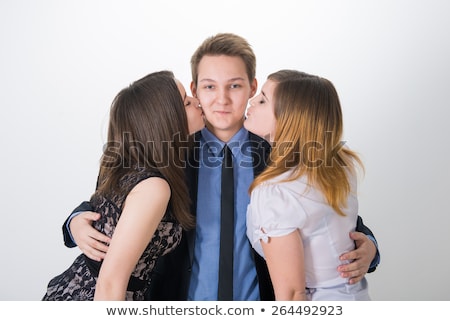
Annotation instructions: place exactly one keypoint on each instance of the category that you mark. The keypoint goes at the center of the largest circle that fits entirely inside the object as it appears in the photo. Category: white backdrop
(62, 62)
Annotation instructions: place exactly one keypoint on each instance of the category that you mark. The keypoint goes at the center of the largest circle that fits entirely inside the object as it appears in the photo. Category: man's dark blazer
(172, 272)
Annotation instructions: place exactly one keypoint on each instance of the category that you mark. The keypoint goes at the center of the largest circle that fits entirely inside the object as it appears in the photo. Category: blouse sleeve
(273, 211)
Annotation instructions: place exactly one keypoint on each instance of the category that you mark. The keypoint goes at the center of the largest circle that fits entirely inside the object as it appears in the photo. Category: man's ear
(193, 89)
(254, 87)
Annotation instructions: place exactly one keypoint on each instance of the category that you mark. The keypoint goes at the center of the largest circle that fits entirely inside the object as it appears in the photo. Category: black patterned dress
(77, 283)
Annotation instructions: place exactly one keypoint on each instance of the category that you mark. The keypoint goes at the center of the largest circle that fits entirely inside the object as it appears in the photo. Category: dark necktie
(225, 291)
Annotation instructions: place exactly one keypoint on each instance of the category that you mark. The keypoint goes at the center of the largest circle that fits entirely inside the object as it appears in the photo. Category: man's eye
(235, 86)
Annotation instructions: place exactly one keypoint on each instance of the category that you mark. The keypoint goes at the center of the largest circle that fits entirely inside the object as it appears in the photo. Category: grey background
(62, 62)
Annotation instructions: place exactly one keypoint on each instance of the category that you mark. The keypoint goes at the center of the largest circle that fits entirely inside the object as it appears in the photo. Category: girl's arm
(143, 210)
(285, 260)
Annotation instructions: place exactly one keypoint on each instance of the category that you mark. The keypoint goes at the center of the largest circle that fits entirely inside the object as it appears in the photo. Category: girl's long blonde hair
(308, 137)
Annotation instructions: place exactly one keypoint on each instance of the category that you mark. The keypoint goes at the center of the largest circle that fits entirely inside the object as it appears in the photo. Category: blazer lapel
(260, 151)
(192, 177)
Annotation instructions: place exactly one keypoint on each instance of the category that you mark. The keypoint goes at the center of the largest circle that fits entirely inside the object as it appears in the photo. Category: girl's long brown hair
(308, 136)
(148, 129)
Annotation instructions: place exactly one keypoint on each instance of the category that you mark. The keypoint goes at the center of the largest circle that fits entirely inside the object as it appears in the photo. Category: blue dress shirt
(205, 270)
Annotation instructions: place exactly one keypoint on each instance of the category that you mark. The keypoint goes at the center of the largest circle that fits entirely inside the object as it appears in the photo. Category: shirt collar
(215, 145)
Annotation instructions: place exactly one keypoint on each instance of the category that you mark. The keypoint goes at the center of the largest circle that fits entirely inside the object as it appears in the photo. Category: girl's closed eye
(261, 99)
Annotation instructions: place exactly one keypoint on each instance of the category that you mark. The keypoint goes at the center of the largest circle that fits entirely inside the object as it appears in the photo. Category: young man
(223, 80)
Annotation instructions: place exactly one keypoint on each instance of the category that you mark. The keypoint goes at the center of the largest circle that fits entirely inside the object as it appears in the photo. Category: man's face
(223, 90)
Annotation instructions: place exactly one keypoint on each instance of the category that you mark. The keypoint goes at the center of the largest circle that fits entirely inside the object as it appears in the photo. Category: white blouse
(280, 208)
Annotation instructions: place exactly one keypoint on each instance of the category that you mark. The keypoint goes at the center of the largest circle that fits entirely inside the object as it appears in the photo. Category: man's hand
(90, 241)
(360, 258)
